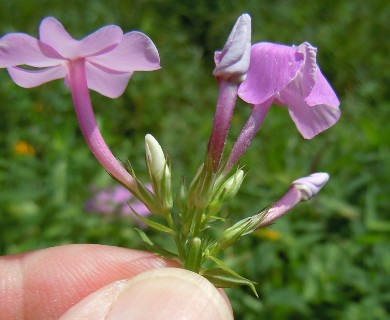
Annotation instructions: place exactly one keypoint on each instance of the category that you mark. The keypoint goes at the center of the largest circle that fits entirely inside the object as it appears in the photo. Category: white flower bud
(155, 157)
(309, 186)
(232, 62)
(159, 172)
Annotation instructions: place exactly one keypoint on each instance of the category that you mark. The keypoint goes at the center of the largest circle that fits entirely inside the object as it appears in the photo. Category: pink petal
(310, 119)
(53, 33)
(105, 81)
(100, 42)
(136, 52)
(103, 40)
(272, 67)
(33, 78)
(19, 48)
(322, 93)
(308, 72)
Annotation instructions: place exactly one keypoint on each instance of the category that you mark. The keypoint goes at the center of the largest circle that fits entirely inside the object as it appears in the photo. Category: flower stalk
(86, 118)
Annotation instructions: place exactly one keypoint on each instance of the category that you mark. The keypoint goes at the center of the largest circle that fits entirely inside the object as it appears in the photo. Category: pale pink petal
(19, 48)
(33, 78)
(53, 33)
(322, 93)
(310, 120)
(136, 52)
(271, 68)
(100, 42)
(307, 75)
(105, 81)
(103, 40)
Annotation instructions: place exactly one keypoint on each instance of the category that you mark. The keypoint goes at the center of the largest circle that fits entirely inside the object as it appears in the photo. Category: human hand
(103, 282)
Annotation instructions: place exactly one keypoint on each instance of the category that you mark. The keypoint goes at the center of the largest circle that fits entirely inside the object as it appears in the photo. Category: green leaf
(224, 277)
(153, 224)
(151, 246)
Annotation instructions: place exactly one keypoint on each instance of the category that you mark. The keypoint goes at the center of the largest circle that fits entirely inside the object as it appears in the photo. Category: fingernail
(169, 293)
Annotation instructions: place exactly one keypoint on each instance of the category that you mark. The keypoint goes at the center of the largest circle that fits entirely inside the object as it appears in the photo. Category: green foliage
(327, 259)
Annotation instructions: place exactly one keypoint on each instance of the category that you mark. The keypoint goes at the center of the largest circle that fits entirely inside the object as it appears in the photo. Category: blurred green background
(327, 259)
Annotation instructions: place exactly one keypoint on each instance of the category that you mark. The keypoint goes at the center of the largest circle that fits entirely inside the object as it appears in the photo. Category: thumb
(166, 293)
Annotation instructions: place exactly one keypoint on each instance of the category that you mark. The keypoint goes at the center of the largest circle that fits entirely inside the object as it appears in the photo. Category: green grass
(330, 259)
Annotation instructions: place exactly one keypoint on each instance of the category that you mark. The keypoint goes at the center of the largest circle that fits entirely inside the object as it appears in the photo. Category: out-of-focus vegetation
(327, 259)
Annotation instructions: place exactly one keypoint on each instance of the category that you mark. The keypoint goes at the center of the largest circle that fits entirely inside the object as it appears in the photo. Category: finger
(44, 284)
(160, 294)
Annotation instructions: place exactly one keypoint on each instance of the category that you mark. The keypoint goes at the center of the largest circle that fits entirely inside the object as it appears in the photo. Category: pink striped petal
(33, 78)
(53, 33)
(19, 48)
(105, 81)
(322, 93)
(272, 67)
(136, 52)
(314, 115)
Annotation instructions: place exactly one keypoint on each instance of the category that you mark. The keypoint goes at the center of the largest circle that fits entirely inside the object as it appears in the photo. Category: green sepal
(153, 224)
(224, 277)
(194, 258)
(151, 246)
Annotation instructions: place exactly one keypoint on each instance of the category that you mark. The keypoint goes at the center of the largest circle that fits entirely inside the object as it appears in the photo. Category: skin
(101, 282)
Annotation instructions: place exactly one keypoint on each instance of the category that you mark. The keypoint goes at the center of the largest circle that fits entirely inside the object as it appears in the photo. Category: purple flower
(291, 77)
(117, 200)
(104, 61)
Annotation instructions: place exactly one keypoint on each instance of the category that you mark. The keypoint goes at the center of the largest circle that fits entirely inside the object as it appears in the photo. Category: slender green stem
(176, 238)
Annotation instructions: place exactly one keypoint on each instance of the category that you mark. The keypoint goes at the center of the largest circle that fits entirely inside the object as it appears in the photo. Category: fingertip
(167, 293)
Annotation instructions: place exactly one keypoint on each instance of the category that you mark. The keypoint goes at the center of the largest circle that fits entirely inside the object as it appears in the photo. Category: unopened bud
(233, 184)
(232, 62)
(159, 172)
(181, 197)
(235, 232)
(155, 157)
(302, 189)
(309, 186)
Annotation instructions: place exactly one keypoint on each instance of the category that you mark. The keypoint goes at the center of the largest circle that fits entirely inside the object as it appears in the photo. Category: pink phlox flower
(110, 56)
(117, 200)
(291, 77)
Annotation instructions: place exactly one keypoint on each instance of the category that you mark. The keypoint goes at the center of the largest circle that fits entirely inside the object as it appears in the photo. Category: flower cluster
(261, 74)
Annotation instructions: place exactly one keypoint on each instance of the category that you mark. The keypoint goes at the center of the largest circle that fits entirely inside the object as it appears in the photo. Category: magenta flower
(104, 61)
(288, 76)
(302, 189)
(291, 77)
